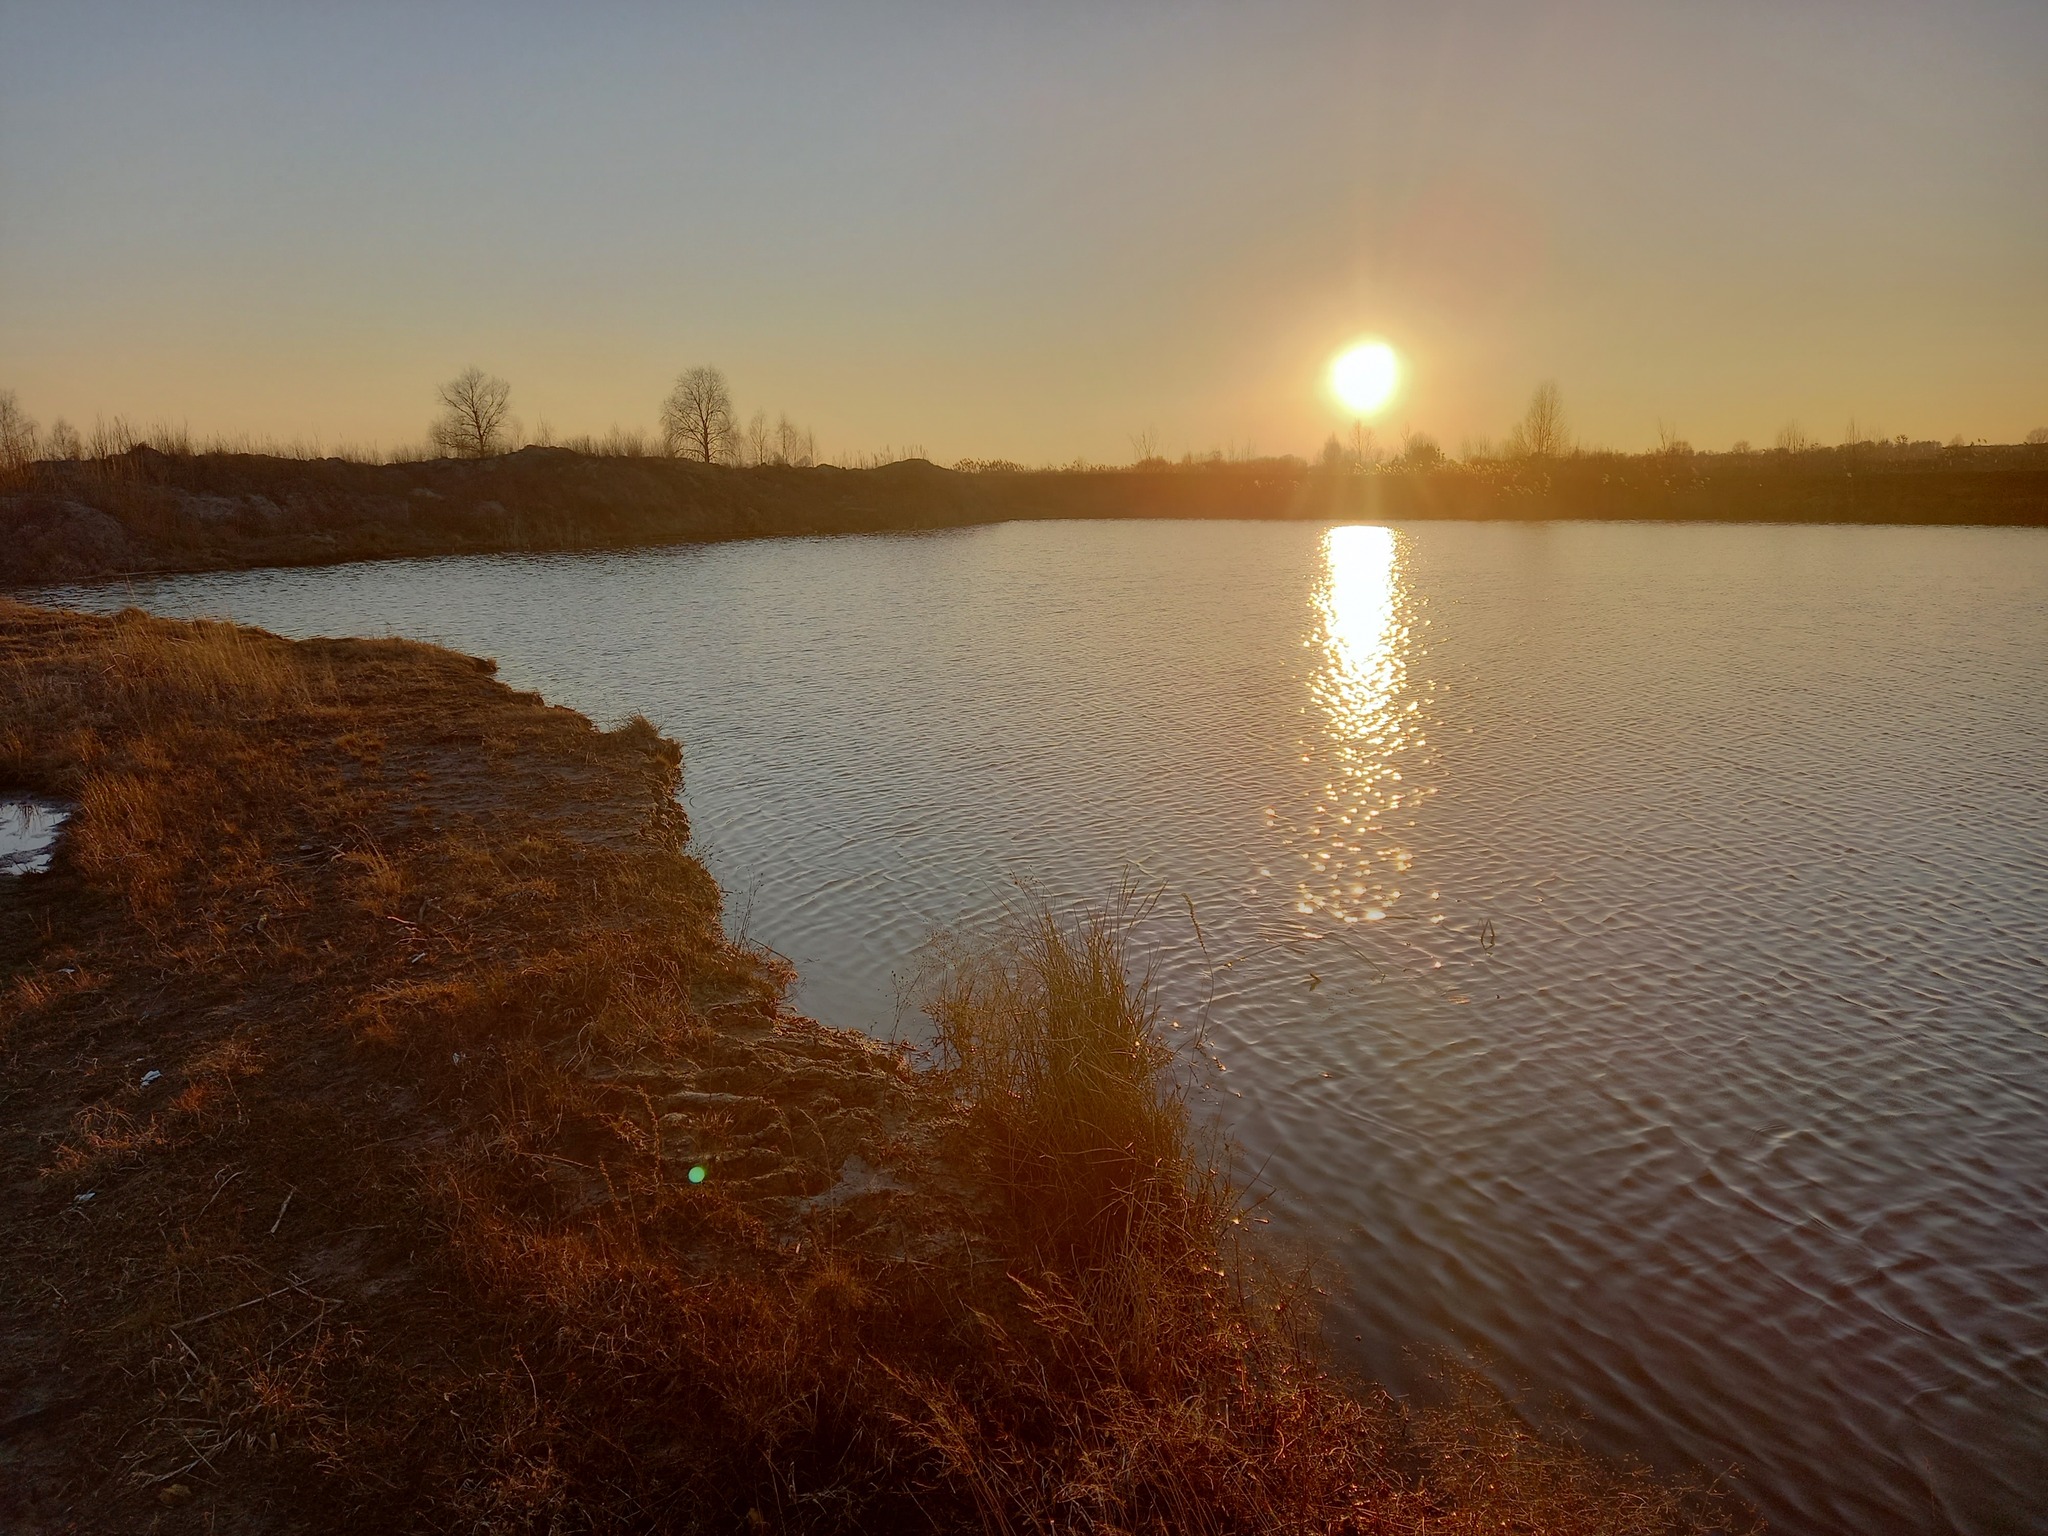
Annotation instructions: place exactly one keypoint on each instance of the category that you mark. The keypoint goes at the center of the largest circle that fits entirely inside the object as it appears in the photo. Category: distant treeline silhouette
(116, 501)
(145, 510)
(698, 421)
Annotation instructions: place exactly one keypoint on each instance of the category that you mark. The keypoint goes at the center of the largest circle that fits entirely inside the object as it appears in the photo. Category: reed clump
(1147, 1374)
(1056, 1049)
(1148, 1370)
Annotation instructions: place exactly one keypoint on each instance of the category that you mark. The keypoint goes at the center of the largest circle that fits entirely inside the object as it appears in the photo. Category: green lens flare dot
(698, 1173)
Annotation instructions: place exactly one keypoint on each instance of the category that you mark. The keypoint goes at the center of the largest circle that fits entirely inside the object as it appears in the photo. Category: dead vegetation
(483, 1184)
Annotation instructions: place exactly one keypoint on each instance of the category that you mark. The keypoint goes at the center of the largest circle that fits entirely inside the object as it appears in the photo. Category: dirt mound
(52, 538)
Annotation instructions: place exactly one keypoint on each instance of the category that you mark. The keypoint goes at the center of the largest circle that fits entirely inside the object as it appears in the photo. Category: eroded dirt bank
(392, 1139)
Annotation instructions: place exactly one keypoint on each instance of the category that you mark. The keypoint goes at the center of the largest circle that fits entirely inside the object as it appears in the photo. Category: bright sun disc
(1364, 376)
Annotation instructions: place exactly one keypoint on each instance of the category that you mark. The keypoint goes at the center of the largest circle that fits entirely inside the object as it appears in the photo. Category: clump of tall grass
(1117, 1212)
(180, 444)
(1156, 1373)
(1148, 1375)
(142, 675)
(1055, 1047)
(19, 440)
(126, 697)
(109, 441)
(618, 443)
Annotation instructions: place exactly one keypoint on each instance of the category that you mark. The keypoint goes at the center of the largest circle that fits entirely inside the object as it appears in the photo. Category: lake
(1623, 949)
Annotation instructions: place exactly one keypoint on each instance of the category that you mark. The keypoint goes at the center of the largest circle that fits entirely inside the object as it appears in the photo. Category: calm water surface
(1627, 945)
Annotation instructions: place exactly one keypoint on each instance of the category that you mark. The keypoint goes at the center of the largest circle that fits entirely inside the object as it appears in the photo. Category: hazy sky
(1031, 230)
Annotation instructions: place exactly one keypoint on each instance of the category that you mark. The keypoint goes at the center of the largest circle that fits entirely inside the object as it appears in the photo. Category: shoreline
(148, 513)
(394, 1135)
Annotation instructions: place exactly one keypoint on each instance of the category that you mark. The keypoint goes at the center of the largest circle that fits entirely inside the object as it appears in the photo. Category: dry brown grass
(1057, 1050)
(404, 1236)
(1172, 1374)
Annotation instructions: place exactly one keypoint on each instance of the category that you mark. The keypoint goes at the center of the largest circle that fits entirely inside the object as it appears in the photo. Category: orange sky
(1031, 232)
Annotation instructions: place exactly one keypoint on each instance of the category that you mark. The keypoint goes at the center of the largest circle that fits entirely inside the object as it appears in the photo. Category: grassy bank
(391, 1138)
(143, 511)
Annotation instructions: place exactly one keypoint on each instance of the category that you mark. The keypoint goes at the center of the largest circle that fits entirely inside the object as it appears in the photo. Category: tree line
(1542, 433)
(698, 421)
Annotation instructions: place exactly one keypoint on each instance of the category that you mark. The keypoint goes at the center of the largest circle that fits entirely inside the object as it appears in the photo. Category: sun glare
(1365, 376)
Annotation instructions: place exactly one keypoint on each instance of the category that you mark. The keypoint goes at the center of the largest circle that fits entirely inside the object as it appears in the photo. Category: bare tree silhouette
(1542, 432)
(62, 441)
(757, 442)
(17, 436)
(472, 421)
(697, 419)
(793, 444)
(1421, 451)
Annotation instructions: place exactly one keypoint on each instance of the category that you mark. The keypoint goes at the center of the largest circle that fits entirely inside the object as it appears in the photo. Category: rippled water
(1629, 944)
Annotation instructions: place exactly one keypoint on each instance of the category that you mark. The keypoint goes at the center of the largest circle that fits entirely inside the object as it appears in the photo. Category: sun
(1364, 376)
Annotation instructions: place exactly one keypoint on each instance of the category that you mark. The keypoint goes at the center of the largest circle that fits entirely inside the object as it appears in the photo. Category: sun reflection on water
(1354, 850)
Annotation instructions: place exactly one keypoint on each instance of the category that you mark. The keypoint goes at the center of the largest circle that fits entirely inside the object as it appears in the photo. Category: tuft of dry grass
(1150, 1373)
(174, 740)
(1056, 1049)
(201, 673)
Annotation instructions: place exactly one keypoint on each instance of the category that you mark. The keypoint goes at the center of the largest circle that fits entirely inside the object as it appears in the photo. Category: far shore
(151, 513)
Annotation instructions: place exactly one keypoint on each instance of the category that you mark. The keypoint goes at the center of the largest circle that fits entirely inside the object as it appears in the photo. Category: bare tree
(757, 443)
(1542, 433)
(2038, 435)
(472, 420)
(795, 445)
(17, 436)
(1792, 438)
(1361, 453)
(696, 418)
(62, 441)
(1421, 451)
